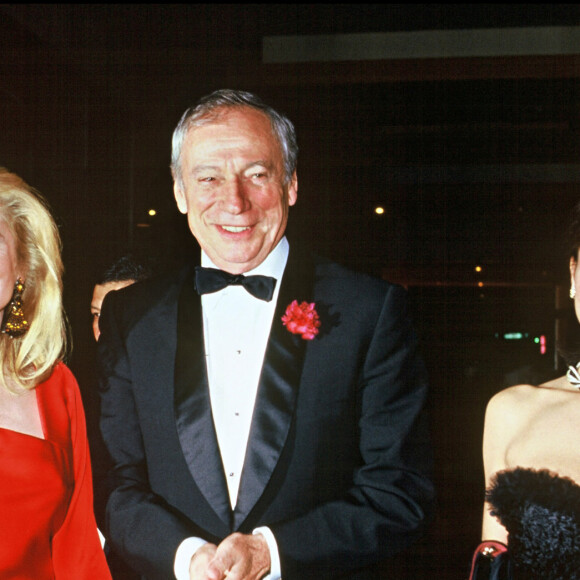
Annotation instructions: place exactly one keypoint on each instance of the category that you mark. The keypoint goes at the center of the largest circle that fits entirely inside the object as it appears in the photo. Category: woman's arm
(496, 435)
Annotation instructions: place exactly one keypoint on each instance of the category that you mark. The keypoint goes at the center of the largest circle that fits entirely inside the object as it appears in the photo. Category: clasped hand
(238, 557)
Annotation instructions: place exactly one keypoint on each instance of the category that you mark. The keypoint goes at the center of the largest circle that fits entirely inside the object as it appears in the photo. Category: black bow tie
(208, 280)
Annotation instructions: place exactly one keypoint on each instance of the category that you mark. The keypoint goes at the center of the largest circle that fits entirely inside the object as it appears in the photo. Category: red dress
(47, 525)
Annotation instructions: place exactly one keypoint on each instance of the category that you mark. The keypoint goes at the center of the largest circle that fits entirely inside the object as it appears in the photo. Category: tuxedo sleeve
(144, 529)
(391, 497)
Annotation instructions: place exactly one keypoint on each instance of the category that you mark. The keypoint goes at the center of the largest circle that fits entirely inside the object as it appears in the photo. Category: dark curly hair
(125, 268)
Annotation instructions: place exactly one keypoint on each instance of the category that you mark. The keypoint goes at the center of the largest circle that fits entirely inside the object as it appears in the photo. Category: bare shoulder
(525, 400)
(504, 402)
(506, 413)
(558, 383)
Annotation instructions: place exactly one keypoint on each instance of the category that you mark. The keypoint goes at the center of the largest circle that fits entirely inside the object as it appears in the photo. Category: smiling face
(8, 265)
(234, 192)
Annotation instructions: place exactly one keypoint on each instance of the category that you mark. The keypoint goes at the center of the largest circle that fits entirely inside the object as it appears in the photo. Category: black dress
(541, 512)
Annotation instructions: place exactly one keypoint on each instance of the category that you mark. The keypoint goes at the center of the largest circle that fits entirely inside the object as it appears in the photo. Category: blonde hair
(28, 360)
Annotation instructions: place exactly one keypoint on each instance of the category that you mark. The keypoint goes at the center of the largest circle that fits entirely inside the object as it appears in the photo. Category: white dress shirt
(236, 330)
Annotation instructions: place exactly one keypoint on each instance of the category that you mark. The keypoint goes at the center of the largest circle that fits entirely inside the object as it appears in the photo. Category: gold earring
(13, 322)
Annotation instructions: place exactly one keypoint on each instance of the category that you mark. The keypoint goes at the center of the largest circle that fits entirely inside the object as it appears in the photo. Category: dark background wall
(473, 156)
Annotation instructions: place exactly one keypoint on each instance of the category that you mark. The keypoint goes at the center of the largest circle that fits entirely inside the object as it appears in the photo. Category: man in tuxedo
(264, 412)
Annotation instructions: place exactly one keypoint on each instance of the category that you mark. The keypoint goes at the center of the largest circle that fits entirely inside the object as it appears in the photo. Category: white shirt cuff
(101, 538)
(275, 571)
(183, 557)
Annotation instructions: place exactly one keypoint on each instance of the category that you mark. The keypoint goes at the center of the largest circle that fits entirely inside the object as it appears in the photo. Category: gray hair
(208, 109)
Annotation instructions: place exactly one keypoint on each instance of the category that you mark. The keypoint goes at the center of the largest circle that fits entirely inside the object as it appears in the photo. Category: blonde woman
(47, 526)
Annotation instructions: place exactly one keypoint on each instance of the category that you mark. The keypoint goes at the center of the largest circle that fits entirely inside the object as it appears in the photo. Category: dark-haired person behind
(532, 470)
(47, 526)
(122, 273)
(265, 412)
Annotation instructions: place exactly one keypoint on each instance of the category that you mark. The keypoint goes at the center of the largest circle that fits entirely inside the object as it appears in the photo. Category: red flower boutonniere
(302, 319)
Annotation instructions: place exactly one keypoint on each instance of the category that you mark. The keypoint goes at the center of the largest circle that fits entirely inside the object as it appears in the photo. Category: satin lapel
(277, 390)
(192, 405)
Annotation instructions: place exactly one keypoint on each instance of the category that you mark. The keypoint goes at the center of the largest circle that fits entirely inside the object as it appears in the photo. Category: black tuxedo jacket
(338, 460)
